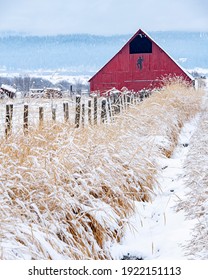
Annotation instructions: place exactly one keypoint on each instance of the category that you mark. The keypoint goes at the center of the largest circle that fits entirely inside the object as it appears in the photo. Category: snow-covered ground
(157, 230)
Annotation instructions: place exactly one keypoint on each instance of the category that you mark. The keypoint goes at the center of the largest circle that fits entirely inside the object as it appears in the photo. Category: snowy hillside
(85, 54)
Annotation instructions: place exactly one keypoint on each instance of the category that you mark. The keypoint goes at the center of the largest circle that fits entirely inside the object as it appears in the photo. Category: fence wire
(77, 110)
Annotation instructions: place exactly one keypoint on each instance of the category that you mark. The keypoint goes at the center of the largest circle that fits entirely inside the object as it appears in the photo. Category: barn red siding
(136, 70)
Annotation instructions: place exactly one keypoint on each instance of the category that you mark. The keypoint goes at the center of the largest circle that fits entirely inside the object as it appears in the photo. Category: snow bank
(157, 230)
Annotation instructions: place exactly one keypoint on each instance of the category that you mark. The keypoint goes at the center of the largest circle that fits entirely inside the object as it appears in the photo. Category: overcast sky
(105, 17)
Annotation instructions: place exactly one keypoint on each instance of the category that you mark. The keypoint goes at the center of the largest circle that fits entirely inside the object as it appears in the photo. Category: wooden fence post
(77, 114)
(66, 111)
(109, 107)
(118, 109)
(113, 109)
(114, 98)
(134, 99)
(25, 119)
(141, 93)
(89, 112)
(103, 110)
(54, 114)
(9, 114)
(124, 100)
(40, 117)
(128, 100)
(137, 98)
(121, 102)
(115, 103)
(83, 114)
(95, 110)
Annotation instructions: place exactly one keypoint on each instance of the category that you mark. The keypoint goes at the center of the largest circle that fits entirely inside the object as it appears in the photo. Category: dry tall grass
(67, 193)
(195, 203)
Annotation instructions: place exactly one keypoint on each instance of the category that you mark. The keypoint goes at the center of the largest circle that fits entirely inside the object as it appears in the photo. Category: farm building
(45, 93)
(36, 92)
(7, 90)
(141, 63)
(52, 92)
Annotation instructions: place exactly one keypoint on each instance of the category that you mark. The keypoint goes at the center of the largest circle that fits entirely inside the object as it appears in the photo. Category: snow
(202, 71)
(8, 88)
(182, 59)
(158, 230)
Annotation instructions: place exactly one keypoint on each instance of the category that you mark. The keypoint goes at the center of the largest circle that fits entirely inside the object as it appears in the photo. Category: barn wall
(124, 70)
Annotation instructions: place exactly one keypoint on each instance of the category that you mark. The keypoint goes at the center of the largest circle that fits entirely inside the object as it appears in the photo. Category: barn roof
(140, 31)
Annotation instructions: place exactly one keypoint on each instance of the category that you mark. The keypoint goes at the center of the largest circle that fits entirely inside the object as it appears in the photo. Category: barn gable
(141, 63)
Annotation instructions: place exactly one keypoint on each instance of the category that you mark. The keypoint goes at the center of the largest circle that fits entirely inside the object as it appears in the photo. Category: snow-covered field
(110, 190)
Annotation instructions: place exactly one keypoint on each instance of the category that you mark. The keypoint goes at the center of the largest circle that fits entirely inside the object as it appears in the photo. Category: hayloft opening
(140, 44)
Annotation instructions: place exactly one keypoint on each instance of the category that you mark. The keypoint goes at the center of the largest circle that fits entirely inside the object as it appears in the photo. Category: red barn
(141, 63)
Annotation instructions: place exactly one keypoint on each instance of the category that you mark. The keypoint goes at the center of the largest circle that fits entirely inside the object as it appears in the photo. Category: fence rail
(79, 112)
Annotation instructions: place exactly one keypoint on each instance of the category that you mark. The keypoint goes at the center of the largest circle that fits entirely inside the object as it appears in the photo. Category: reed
(67, 193)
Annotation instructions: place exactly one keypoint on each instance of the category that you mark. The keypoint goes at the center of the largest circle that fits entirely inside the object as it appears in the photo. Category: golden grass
(67, 193)
(195, 203)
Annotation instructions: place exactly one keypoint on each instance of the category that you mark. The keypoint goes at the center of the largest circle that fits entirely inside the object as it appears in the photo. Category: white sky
(105, 17)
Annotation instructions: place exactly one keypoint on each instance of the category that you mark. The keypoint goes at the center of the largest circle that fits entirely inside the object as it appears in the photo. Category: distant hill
(85, 54)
